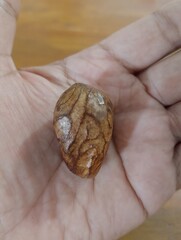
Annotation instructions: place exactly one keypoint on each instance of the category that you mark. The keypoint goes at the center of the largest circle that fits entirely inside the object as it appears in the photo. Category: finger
(177, 161)
(175, 120)
(135, 47)
(8, 12)
(162, 80)
(148, 40)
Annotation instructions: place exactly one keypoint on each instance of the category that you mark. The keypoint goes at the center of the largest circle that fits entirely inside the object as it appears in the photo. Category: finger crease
(157, 95)
(125, 66)
(165, 23)
(69, 79)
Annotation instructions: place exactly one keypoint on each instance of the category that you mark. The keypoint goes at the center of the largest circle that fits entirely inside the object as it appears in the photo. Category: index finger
(146, 41)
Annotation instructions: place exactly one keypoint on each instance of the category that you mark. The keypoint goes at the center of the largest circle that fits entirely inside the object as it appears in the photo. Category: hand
(39, 197)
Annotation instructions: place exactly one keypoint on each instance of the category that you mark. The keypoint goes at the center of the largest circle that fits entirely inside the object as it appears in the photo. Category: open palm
(39, 197)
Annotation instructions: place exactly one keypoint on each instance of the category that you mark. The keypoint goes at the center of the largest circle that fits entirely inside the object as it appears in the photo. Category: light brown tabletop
(49, 30)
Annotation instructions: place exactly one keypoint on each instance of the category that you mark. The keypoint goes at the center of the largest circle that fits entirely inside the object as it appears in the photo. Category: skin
(39, 197)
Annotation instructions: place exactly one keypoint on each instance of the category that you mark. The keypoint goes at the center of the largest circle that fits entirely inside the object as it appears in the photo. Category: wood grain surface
(49, 30)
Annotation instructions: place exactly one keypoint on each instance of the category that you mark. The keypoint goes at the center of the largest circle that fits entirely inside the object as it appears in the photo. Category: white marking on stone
(89, 163)
(100, 99)
(65, 125)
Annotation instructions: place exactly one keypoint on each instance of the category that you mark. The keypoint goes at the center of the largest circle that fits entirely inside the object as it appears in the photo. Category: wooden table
(52, 29)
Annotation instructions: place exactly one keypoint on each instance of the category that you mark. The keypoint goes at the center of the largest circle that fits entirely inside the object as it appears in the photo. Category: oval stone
(83, 123)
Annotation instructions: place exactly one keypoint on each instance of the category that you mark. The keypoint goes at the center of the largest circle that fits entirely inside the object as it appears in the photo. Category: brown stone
(83, 122)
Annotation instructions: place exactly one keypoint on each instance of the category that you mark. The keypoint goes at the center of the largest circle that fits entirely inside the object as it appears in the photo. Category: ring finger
(163, 79)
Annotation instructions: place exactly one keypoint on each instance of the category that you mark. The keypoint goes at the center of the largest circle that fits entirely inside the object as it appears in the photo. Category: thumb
(8, 14)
